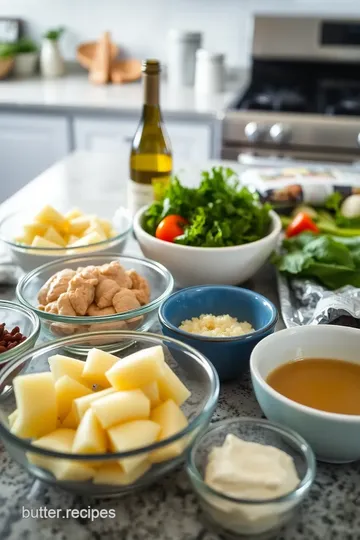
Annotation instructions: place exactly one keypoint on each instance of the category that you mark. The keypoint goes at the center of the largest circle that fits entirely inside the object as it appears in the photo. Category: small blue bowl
(229, 355)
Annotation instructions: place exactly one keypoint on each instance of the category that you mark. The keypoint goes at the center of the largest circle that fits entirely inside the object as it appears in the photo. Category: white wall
(140, 26)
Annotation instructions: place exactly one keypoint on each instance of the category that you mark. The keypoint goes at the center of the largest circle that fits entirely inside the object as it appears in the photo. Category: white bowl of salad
(218, 233)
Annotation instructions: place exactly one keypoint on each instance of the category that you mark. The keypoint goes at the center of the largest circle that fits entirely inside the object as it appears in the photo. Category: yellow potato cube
(71, 240)
(49, 216)
(130, 436)
(73, 213)
(70, 421)
(68, 389)
(112, 473)
(60, 440)
(121, 407)
(82, 404)
(43, 243)
(97, 363)
(90, 437)
(79, 224)
(106, 225)
(95, 226)
(36, 405)
(170, 387)
(35, 229)
(25, 239)
(171, 420)
(53, 236)
(112, 233)
(65, 365)
(151, 391)
(91, 238)
(137, 369)
(12, 417)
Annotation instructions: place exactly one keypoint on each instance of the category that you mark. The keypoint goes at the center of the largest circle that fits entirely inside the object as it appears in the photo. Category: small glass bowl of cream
(250, 476)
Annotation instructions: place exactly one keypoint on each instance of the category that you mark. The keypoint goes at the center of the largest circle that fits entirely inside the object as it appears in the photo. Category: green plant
(55, 33)
(25, 45)
(22, 46)
(7, 50)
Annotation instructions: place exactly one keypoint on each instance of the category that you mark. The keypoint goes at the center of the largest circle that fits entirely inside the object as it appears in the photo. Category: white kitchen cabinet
(29, 144)
(191, 141)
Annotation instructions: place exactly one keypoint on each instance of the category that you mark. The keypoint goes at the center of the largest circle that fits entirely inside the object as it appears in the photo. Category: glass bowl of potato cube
(36, 238)
(77, 295)
(105, 425)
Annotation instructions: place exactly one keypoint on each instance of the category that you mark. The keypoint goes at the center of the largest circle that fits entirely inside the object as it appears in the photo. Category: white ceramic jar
(182, 57)
(51, 61)
(210, 72)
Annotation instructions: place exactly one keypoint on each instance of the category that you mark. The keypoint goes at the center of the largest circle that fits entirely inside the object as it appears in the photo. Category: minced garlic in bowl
(216, 326)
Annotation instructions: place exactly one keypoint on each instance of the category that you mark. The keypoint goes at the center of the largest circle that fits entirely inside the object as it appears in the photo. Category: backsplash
(141, 26)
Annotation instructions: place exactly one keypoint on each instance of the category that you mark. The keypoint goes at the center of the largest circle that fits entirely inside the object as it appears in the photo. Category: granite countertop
(74, 92)
(167, 510)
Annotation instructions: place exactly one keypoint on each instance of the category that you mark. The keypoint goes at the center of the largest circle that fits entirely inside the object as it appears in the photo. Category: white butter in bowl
(251, 471)
(250, 476)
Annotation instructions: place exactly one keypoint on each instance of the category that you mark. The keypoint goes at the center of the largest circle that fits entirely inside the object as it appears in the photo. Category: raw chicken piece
(125, 300)
(64, 306)
(89, 272)
(105, 292)
(140, 287)
(45, 289)
(52, 308)
(81, 293)
(60, 284)
(116, 272)
(95, 311)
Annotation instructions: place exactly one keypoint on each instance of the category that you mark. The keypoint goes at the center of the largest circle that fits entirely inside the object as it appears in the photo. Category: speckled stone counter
(169, 510)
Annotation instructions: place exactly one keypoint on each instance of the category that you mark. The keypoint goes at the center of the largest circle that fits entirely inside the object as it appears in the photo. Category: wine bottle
(151, 158)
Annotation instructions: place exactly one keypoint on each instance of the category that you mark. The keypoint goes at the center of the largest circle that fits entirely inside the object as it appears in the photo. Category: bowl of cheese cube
(36, 238)
(105, 425)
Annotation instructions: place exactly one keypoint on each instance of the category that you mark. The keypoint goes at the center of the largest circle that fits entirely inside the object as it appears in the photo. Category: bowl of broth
(308, 379)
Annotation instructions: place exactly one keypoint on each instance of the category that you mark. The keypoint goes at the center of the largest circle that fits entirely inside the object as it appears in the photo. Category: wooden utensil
(100, 66)
(86, 51)
(123, 71)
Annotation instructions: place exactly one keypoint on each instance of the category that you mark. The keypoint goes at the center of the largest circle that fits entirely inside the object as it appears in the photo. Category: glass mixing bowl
(195, 371)
(235, 518)
(12, 314)
(29, 257)
(54, 326)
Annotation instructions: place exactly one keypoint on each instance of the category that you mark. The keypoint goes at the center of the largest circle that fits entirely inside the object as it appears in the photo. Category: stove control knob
(254, 132)
(280, 133)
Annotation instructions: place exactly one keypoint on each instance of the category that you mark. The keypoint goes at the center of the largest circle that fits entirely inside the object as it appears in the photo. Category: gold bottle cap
(151, 67)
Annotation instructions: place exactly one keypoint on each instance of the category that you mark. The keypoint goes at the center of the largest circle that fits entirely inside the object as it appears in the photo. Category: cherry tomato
(170, 227)
(301, 222)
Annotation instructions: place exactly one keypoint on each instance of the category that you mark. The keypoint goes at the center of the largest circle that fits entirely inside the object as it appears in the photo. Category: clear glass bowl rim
(65, 250)
(155, 339)
(287, 433)
(35, 321)
(105, 318)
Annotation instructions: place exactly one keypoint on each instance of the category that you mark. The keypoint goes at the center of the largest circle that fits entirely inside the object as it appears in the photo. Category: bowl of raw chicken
(80, 295)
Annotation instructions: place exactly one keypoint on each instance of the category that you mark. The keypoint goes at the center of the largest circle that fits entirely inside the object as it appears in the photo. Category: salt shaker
(182, 56)
(210, 72)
